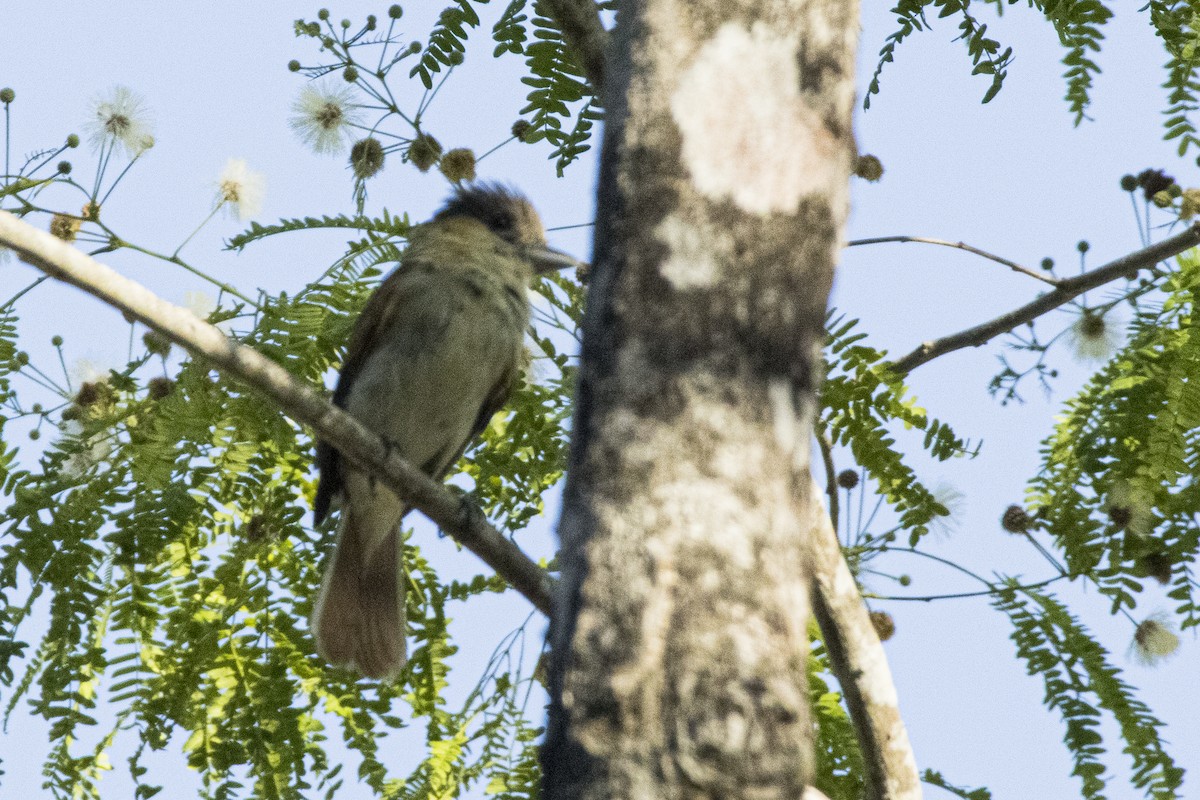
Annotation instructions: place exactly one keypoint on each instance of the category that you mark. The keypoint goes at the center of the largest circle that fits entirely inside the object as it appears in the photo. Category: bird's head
(510, 216)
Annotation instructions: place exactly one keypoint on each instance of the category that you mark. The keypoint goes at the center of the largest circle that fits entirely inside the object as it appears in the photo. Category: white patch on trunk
(783, 412)
(748, 134)
(791, 422)
(689, 264)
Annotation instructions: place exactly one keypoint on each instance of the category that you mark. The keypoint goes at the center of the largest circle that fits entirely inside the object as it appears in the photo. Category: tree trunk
(679, 642)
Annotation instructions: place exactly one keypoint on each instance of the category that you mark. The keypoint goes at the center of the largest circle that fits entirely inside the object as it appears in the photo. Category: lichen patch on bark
(689, 263)
(749, 134)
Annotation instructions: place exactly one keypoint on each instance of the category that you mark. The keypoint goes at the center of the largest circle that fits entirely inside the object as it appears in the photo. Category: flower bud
(156, 343)
(1157, 566)
(65, 227)
(1154, 640)
(92, 393)
(366, 157)
(1120, 515)
(1015, 520)
(158, 388)
(869, 168)
(884, 625)
(458, 165)
(424, 152)
(256, 528)
(1153, 181)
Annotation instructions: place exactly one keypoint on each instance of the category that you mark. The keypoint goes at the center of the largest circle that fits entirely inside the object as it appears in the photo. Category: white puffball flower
(90, 452)
(954, 501)
(86, 371)
(322, 116)
(122, 116)
(1154, 640)
(240, 189)
(1095, 337)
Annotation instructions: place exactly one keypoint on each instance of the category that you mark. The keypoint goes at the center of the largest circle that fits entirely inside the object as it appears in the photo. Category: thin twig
(831, 486)
(857, 660)
(456, 516)
(1015, 267)
(1067, 290)
(929, 598)
(579, 21)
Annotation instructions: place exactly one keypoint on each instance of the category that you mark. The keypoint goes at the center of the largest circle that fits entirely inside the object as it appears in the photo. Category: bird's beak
(547, 259)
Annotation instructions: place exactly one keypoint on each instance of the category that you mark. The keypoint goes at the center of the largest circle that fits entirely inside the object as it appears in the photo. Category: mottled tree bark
(679, 638)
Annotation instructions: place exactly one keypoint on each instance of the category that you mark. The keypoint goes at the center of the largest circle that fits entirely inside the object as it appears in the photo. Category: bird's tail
(358, 619)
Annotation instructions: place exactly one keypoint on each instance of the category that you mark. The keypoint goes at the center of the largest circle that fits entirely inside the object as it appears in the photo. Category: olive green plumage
(432, 357)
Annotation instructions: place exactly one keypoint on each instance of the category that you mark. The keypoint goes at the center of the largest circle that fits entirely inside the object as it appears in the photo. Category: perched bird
(432, 357)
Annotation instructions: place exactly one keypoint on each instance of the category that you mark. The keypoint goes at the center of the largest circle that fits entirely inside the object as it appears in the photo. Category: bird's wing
(401, 285)
(491, 404)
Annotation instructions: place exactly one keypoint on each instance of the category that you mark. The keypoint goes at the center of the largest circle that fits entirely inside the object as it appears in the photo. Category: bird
(431, 358)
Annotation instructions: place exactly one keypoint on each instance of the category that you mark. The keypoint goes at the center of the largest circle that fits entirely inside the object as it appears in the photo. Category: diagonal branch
(579, 21)
(1067, 290)
(857, 660)
(457, 516)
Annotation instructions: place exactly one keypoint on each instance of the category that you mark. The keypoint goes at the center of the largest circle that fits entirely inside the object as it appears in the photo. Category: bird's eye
(502, 223)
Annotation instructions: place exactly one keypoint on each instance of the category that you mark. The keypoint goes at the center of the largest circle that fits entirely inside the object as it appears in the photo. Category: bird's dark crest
(504, 210)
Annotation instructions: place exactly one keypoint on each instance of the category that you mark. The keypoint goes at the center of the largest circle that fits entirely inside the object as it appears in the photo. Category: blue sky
(1013, 177)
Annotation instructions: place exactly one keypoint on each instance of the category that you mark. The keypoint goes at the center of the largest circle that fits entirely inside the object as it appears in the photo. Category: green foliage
(382, 227)
(180, 574)
(1079, 25)
(984, 52)
(447, 42)
(1116, 488)
(861, 399)
(1080, 683)
(556, 79)
(167, 534)
(838, 760)
(1177, 23)
(935, 778)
